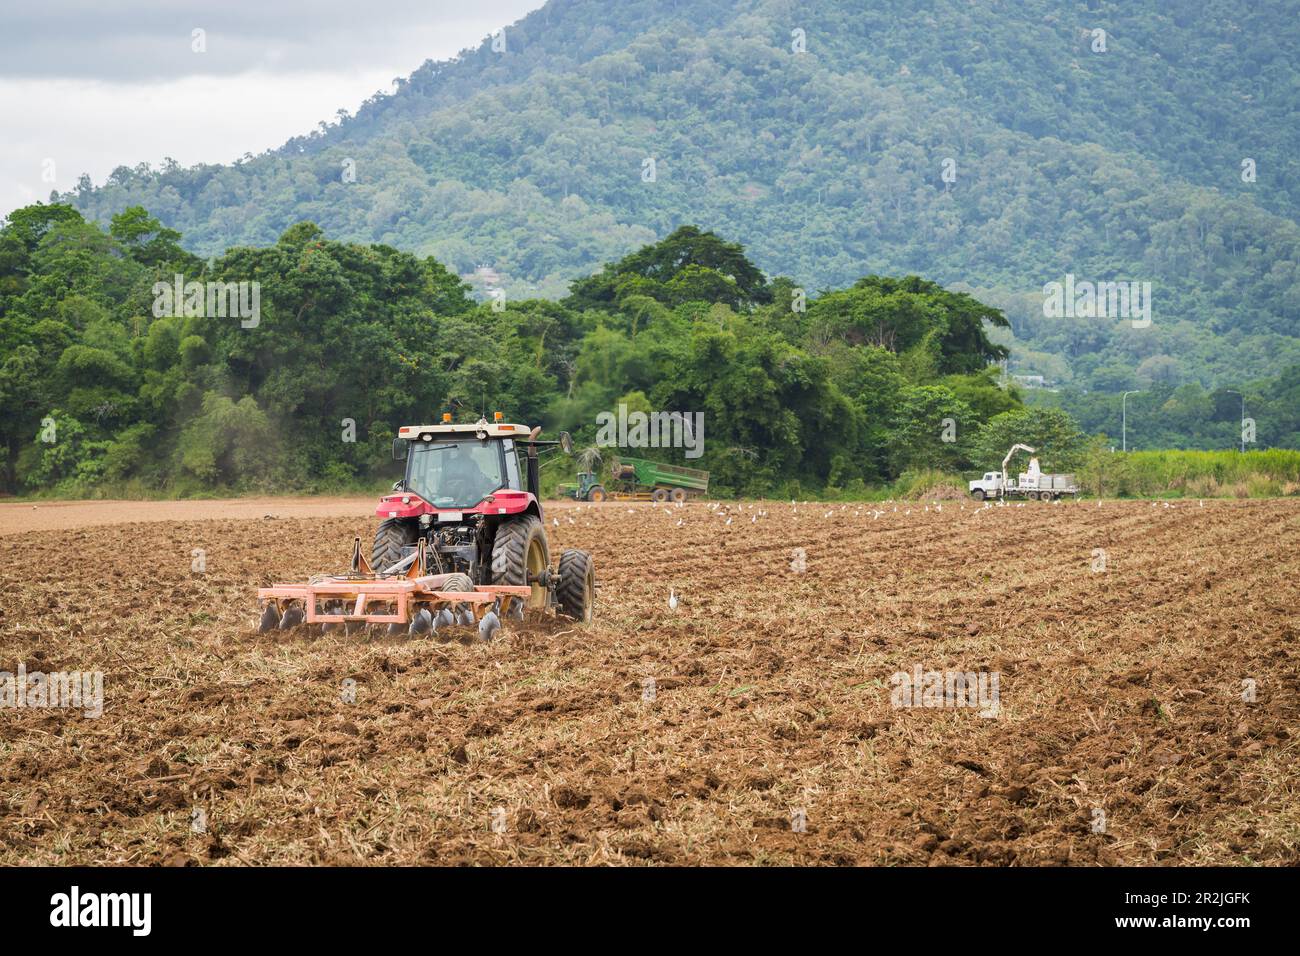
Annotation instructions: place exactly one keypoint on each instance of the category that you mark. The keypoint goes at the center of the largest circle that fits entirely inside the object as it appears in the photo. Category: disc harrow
(405, 597)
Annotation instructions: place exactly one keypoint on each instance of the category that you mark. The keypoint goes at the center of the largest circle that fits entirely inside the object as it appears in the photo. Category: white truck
(1032, 484)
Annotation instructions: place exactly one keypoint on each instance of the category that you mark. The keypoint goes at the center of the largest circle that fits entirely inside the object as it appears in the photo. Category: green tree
(1059, 442)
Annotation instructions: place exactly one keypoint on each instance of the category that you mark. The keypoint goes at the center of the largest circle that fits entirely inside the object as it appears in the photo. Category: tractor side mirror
(401, 448)
(566, 443)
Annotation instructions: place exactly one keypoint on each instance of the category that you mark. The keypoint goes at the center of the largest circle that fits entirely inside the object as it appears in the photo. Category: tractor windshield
(457, 473)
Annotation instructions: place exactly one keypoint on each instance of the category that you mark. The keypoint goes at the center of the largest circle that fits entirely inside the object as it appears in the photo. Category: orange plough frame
(401, 595)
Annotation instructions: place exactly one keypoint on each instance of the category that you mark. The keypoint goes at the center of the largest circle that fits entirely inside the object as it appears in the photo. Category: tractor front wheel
(519, 552)
(393, 535)
(576, 594)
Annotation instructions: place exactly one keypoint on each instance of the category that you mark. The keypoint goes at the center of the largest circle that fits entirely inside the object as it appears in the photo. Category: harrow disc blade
(465, 617)
(292, 617)
(444, 619)
(421, 623)
(395, 629)
(488, 627)
(270, 619)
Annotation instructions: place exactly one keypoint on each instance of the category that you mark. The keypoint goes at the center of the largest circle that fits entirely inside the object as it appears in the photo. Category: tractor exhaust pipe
(532, 463)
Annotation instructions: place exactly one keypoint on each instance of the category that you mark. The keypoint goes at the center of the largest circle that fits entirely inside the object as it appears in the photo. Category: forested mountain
(992, 147)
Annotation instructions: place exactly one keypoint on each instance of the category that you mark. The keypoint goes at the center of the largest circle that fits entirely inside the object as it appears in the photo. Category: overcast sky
(88, 85)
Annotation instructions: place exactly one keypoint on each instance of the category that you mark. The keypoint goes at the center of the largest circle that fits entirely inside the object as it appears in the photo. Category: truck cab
(990, 486)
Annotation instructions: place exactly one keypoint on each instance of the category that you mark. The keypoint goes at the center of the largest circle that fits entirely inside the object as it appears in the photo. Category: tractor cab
(454, 469)
(458, 466)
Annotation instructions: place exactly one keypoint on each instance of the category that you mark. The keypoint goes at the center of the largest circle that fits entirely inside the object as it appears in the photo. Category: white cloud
(271, 71)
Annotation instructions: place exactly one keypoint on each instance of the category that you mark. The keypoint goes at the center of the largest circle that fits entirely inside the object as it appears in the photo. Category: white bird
(753, 519)
(679, 522)
(672, 599)
(555, 522)
(728, 521)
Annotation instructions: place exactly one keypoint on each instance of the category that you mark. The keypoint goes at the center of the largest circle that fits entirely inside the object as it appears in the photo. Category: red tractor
(461, 541)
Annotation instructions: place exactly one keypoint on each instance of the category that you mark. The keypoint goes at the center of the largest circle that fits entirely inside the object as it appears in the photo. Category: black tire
(576, 594)
(457, 582)
(520, 550)
(597, 493)
(679, 495)
(979, 494)
(392, 535)
(659, 494)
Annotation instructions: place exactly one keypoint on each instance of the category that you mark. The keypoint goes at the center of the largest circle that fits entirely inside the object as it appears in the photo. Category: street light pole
(1124, 410)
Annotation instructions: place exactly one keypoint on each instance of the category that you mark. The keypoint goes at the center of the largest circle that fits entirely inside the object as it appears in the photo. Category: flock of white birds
(728, 512)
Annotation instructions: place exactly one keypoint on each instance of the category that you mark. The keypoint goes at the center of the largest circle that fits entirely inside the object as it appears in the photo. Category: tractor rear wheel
(577, 591)
(597, 493)
(519, 552)
(391, 537)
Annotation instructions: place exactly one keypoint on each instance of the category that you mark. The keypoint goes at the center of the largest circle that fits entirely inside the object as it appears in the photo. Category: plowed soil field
(1145, 656)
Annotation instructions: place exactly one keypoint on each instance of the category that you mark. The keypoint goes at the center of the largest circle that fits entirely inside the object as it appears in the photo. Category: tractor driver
(463, 478)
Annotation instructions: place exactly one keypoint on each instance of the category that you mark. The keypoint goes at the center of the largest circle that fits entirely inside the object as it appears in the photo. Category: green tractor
(638, 479)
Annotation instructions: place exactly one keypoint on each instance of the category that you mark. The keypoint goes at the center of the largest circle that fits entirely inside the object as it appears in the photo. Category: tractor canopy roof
(480, 428)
